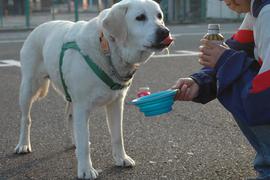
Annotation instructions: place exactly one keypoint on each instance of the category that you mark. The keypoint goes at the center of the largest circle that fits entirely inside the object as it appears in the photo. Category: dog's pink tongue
(168, 40)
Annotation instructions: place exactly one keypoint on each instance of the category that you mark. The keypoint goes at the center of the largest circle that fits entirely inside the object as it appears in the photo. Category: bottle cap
(214, 27)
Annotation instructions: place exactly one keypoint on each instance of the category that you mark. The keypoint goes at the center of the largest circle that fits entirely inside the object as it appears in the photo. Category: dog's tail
(43, 90)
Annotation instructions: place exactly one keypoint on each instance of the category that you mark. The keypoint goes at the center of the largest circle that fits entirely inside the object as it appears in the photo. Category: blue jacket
(241, 77)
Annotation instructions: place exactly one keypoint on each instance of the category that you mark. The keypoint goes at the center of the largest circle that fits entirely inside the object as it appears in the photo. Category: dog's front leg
(81, 132)
(69, 123)
(114, 119)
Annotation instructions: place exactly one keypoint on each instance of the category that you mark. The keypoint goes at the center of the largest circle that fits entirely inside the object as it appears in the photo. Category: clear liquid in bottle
(214, 34)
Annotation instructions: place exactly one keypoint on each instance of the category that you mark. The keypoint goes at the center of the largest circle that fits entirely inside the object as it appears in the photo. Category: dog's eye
(141, 17)
(159, 16)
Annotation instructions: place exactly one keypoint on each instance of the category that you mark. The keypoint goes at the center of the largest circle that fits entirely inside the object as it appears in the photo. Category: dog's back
(33, 45)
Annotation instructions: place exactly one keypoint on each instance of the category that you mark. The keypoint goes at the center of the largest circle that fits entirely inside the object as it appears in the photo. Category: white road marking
(198, 34)
(187, 52)
(12, 41)
(9, 63)
(180, 53)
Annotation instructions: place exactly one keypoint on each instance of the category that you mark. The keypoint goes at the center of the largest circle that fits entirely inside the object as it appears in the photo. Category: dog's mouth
(167, 41)
(161, 45)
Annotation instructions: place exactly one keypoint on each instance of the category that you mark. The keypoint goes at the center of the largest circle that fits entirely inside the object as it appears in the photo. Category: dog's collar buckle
(104, 44)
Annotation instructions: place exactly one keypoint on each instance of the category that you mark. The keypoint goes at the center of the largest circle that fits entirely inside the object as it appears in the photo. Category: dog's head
(138, 25)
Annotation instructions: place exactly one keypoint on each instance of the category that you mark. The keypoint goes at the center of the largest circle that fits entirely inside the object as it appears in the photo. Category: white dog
(117, 42)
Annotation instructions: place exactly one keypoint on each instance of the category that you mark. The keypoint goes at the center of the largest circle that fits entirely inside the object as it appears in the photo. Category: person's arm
(242, 40)
(235, 70)
(230, 67)
(206, 79)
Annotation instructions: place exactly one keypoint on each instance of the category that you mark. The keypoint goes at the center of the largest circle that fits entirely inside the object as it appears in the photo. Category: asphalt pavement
(193, 142)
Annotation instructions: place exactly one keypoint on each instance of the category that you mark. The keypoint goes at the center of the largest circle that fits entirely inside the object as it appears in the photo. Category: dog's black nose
(162, 33)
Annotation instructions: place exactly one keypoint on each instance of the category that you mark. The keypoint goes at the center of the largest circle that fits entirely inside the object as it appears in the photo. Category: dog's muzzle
(163, 38)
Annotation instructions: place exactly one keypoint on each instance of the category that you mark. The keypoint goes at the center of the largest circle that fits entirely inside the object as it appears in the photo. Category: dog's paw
(22, 149)
(87, 174)
(125, 161)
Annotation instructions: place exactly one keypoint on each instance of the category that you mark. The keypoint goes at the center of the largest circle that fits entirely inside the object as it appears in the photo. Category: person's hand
(211, 52)
(188, 89)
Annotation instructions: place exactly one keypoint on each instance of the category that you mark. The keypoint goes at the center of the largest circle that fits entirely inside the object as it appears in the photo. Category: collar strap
(96, 69)
(105, 48)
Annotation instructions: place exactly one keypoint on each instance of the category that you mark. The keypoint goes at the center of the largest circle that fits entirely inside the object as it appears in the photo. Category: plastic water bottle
(214, 34)
(143, 91)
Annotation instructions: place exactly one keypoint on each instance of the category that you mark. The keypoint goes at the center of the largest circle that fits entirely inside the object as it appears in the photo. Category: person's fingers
(182, 94)
(183, 91)
(208, 43)
(187, 94)
(178, 84)
(184, 88)
(205, 50)
(179, 95)
(205, 58)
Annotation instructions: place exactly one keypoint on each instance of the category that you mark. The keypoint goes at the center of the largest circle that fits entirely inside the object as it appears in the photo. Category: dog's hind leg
(27, 97)
(114, 119)
(81, 132)
(34, 85)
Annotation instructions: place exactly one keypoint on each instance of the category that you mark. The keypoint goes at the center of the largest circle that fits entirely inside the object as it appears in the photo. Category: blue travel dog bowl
(156, 103)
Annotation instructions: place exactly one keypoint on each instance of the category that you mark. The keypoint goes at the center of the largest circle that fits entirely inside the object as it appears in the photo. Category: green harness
(97, 70)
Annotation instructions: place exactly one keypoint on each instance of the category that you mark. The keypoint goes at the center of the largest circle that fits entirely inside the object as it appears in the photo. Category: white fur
(127, 38)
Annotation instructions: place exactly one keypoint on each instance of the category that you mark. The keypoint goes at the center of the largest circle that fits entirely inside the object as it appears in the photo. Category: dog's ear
(115, 22)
